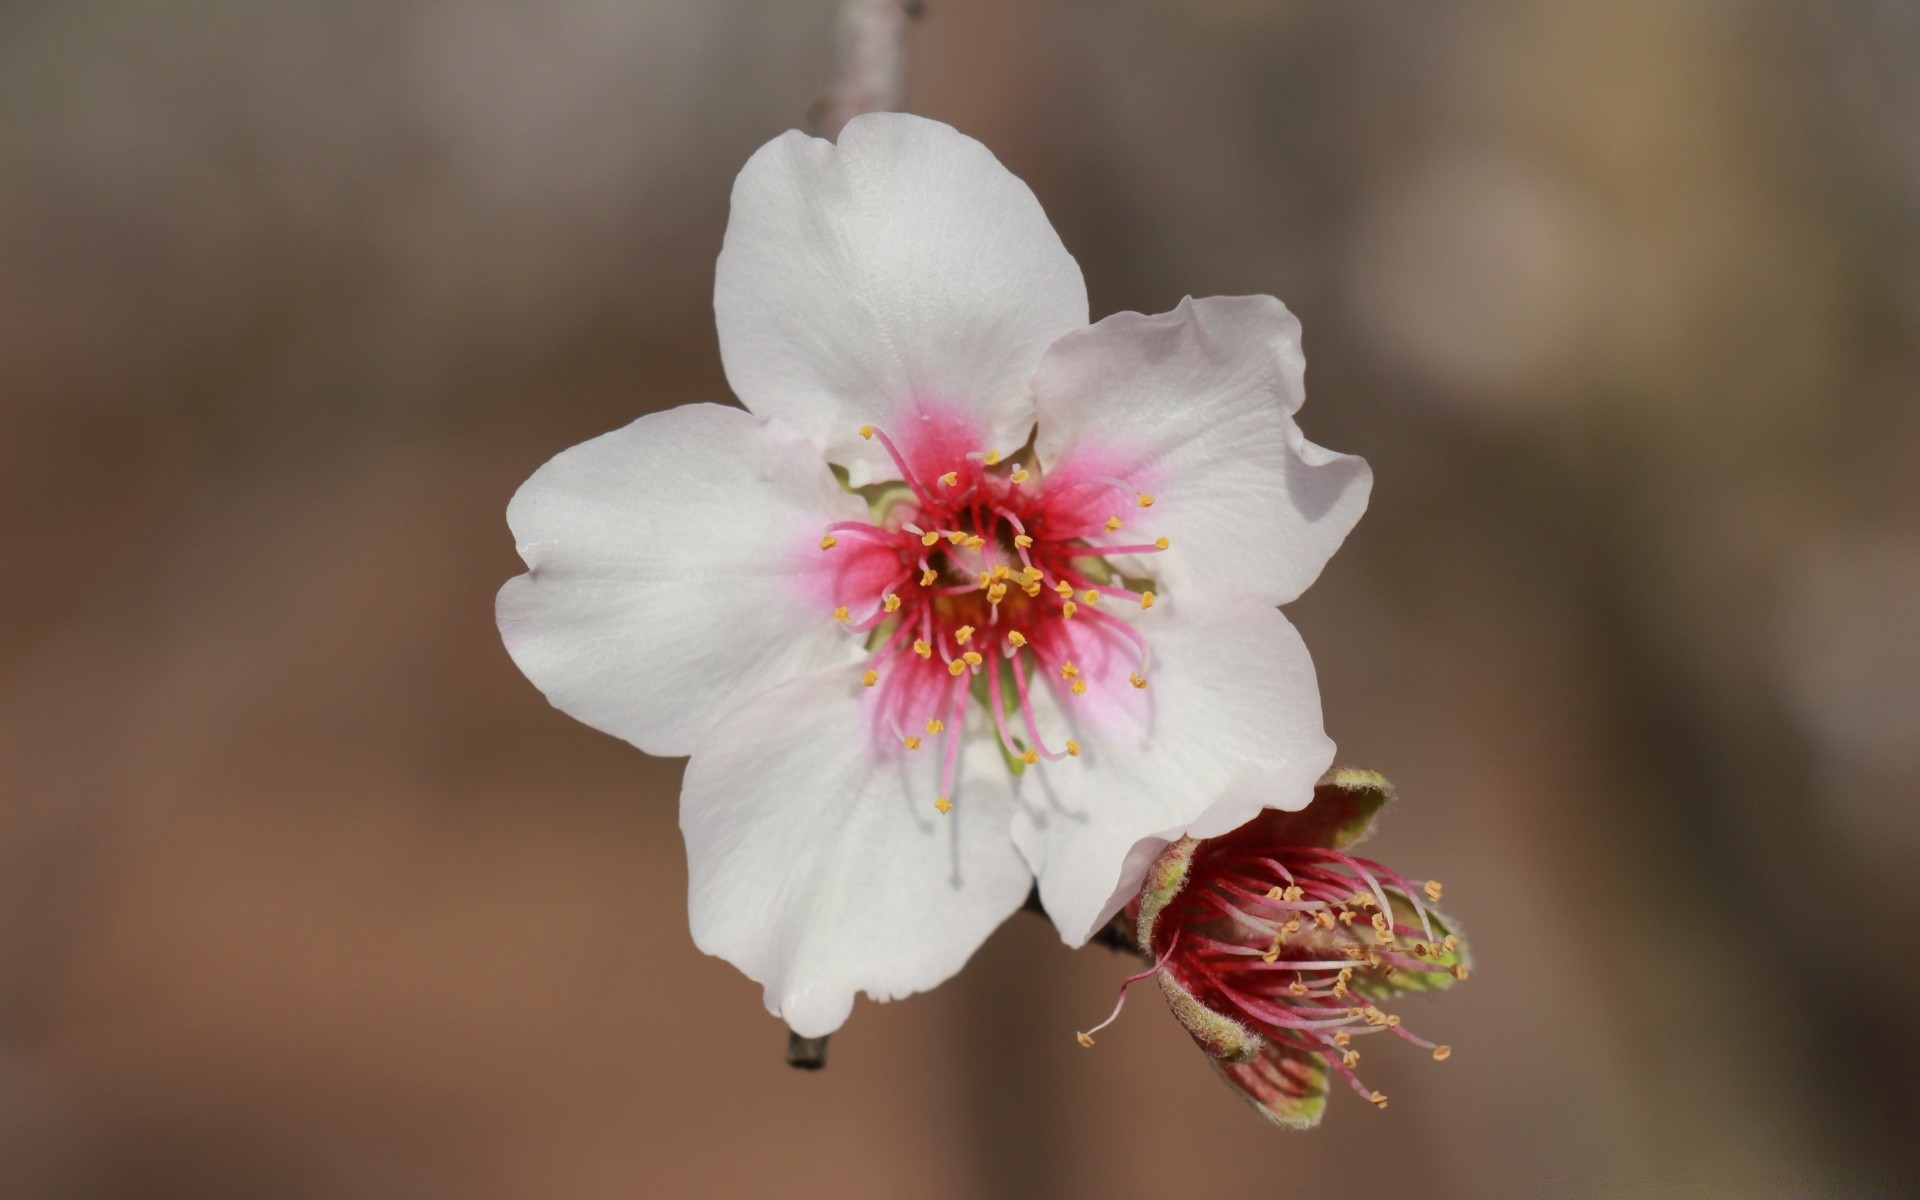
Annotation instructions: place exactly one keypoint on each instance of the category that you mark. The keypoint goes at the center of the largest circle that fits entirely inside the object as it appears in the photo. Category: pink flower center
(983, 579)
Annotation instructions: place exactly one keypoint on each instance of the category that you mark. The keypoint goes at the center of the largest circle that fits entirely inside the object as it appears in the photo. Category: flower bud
(1276, 949)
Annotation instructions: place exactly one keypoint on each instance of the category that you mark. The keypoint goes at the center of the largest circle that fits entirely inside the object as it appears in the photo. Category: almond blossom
(972, 592)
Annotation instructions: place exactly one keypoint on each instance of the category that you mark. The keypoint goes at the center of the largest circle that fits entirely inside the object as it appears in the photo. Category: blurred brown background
(304, 892)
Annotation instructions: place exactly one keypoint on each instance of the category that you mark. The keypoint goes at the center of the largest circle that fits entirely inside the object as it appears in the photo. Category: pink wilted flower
(1275, 948)
(971, 593)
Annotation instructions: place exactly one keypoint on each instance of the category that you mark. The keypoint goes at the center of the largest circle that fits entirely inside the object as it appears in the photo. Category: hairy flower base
(985, 579)
(1276, 949)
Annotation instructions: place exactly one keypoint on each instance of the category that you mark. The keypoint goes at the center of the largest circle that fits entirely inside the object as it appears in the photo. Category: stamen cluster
(1299, 941)
(988, 581)
(1278, 950)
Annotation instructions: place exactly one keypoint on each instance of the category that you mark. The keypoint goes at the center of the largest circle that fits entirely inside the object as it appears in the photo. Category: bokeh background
(306, 893)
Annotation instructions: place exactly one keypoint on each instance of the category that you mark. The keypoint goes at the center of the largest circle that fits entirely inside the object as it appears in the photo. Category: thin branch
(806, 1053)
(869, 62)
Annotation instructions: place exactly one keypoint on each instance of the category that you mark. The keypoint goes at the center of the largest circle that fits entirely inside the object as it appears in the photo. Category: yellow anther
(1022, 541)
(1068, 609)
(1393, 1020)
(1065, 589)
(912, 743)
(923, 648)
(1030, 757)
(1375, 1017)
(1001, 572)
(928, 576)
(1296, 988)
(1084, 1039)
(996, 593)
(1346, 916)
(1383, 936)
(1442, 1053)
(1380, 921)
(984, 579)
(1018, 476)
(991, 458)
(891, 603)
(972, 658)
(1432, 889)
(956, 667)
(976, 542)
(1292, 927)
(870, 677)
(1017, 638)
(929, 538)
(1294, 892)
(950, 478)
(828, 542)
(1160, 543)
(1342, 1038)
(1340, 990)
(956, 537)
(840, 614)
(1079, 687)
(935, 725)
(1068, 670)
(1324, 919)
(866, 431)
(1113, 523)
(944, 805)
(1033, 574)
(1274, 892)
(1073, 748)
(1451, 942)
(963, 635)
(1273, 952)
(1091, 597)
(1146, 599)
(1136, 679)
(1460, 971)
(1363, 900)
(1146, 500)
(1350, 1058)
(1032, 589)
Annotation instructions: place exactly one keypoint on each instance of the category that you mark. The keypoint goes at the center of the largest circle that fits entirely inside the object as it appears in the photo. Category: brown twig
(806, 1053)
(869, 62)
(869, 74)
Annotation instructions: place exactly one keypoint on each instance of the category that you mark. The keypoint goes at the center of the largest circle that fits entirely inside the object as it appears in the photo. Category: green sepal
(1345, 802)
(1165, 877)
(1219, 1035)
(1288, 1087)
(1437, 975)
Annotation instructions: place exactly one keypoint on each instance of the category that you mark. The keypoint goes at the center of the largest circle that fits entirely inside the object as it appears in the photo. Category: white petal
(1229, 723)
(675, 570)
(1196, 408)
(816, 860)
(902, 278)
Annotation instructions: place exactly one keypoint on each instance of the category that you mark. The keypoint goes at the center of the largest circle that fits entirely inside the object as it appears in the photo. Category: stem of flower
(869, 62)
(806, 1053)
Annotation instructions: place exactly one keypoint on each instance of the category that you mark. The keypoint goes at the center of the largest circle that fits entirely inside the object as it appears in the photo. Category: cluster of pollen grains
(1298, 942)
(986, 580)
